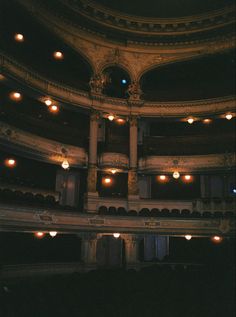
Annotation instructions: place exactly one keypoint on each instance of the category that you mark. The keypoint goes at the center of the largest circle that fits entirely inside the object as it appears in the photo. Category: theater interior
(117, 158)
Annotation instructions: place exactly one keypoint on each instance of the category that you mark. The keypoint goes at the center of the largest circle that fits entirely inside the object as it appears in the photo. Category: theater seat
(154, 212)
(102, 210)
(132, 213)
(185, 212)
(175, 212)
(165, 212)
(144, 212)
(121, 211)
(112, 210)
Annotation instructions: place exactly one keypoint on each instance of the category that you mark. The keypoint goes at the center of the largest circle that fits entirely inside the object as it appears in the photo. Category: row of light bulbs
(19, 37)
(40, 234)
(191, 120)
(17, 96)
(176, 175)
(11, 162)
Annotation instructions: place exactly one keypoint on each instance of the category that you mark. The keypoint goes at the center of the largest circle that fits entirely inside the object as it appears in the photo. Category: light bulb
(207, 121)
(216, 239)
(116, 235)
(107, 180)
(113, 171)
(39, 234)
(58, 55)
(162, 177)
(190, 120)
(10, 162)
(48, 102)
(176, 174)
(229, 116)
(110, 117)
(15, 95)
(188, 237)
(65, 164)
(187, 177)
(19, 37)
(53, 108)
(120, 121)
(52, 233)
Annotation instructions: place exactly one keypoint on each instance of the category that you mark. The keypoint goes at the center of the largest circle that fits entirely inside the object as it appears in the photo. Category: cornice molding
(66, 28)
(152, 26)
(77, 98)
(193, 163)
(28, 219)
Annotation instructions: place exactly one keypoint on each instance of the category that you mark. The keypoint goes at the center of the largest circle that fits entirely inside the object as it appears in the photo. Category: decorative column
(97, 83)
(131, 250)
(89, 250)
(133, 192)
(92, 194)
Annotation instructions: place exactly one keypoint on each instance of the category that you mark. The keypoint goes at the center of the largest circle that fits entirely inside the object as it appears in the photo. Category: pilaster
(89, 249)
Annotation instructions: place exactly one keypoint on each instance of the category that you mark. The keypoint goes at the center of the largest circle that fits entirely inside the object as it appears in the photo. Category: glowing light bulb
(216, 239)
(188, 237)
(53, 108)
(19, 37)
(229, 116)
(162, 177)
(107, 180)
(58, 55)
(39, 234)
(120, 121)
(52, 233)
(176, 174)
(190, 120)
(16, 96)
(207, 120)
(110, 117)
(48, 102)
(187, 177)
(116, 235)
(113, 171)
(10, 162)
(65, 164)
(124, 81)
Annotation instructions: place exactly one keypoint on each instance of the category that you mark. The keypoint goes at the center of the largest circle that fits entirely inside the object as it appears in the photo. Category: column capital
(97, 83)
(133, 121)
(134, 91)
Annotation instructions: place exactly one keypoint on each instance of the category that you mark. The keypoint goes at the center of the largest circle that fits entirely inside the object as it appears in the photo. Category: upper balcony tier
(164, 23)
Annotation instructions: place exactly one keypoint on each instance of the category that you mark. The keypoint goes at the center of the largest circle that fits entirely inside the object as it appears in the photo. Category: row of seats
(155, 212)
(30, 199)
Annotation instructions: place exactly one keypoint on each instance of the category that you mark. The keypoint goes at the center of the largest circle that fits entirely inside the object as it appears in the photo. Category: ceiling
(165, 8)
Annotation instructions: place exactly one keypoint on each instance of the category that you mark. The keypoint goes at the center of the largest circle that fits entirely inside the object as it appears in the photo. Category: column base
(91, 202)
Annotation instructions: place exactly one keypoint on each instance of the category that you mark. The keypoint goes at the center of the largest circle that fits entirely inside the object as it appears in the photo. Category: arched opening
(117, 82)
(193, 79)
